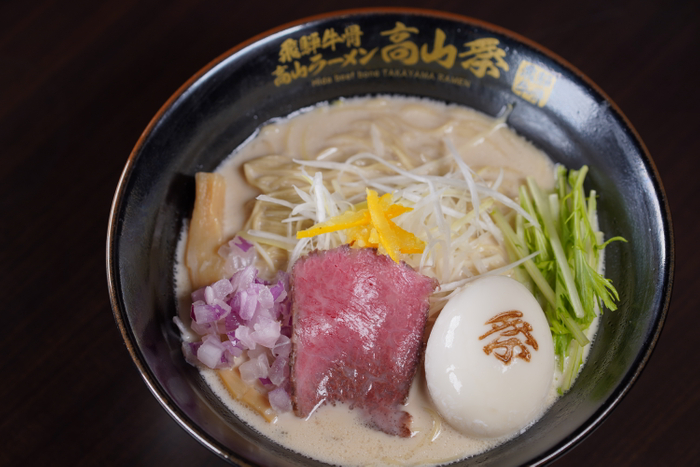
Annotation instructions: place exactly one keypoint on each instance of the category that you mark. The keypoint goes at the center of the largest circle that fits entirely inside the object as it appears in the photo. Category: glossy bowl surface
(406, 52)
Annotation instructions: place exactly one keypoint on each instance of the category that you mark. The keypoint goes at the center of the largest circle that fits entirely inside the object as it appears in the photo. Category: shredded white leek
(443, 216)
(451, 202)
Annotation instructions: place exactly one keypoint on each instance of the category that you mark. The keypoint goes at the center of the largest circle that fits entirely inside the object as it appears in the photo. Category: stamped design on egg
(509, 324)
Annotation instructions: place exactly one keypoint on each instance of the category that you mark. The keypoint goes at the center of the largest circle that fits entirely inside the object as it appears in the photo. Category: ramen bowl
(402, 52)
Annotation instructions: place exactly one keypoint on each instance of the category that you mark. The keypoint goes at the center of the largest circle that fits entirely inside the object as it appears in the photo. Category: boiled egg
(489, 361)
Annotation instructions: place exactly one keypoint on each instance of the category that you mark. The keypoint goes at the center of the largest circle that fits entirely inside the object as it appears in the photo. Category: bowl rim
(118, 308)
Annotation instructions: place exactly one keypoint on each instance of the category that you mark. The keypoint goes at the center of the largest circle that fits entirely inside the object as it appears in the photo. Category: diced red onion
(255, 317)
(257, 351)
(195, 303)
(243, 334)
(243, 244)
(243, 278)
(280, 400)
(232, 322)
(211, 351)
(265, 299)
(204, 329)
(238, 254)
(278, 292)
(266, 333)
(248, 304)
(217, 291)
(197, 295)
(254, 369)
(279, 371)
(203, 313)
(232, 349)
(223, 306)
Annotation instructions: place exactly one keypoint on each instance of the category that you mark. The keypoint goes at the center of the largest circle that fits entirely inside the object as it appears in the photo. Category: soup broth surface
(407, 131)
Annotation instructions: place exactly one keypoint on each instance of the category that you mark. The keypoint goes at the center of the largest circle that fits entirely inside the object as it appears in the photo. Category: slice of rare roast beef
(358, 324)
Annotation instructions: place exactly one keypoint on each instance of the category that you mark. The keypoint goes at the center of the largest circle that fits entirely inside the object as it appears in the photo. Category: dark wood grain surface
(80, 80)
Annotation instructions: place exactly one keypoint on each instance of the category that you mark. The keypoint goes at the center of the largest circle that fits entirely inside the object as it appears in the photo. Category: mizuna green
(565, 275)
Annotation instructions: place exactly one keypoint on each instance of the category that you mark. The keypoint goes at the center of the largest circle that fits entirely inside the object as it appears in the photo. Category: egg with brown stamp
(489, 360)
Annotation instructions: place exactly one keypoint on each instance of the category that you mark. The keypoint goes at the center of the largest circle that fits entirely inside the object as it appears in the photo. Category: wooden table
(80, 80)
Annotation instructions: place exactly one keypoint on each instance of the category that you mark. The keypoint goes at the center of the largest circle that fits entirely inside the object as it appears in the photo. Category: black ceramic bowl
(406, 52)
